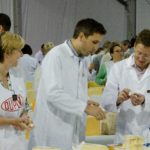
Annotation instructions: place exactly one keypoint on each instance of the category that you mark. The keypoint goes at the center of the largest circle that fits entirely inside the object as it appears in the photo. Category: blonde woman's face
(14, 57)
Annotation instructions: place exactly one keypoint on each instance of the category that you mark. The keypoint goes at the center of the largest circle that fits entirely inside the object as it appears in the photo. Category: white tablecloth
(102, 139)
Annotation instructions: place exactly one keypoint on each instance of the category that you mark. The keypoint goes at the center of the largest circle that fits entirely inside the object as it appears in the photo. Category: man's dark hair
(42, 46)
(112, 46)
(143, 38)
(5, 21)
(88, 27)
(27, 49)
(126, 43)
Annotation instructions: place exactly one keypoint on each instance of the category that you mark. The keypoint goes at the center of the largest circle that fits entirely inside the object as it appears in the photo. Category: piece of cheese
(121, 147)
(95, 91)
(93, 147)
(92, 126)
(133, 140)
(101, 127)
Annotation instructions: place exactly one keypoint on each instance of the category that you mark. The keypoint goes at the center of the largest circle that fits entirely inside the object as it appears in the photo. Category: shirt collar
(72, 49)
(131, 63)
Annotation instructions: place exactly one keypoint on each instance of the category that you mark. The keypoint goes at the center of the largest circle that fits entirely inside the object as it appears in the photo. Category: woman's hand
(20, 123)
(23, 123)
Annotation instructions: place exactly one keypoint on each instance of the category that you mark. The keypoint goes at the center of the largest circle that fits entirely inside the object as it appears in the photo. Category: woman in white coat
(128, 91)
(27, 64)
(61, 105)
(116, 54)
(12, 95)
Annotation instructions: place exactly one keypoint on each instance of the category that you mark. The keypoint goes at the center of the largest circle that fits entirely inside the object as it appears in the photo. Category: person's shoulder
(16, 76)
(38, 53)
(58, 50)
(108, 62)
(29, 58)
(54, 53)
(121, 65)
(33, 59)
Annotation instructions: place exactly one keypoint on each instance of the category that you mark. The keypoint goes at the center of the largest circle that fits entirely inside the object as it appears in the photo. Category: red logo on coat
(10, 105)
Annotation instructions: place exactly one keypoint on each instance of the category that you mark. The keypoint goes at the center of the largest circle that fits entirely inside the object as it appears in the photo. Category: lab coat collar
(71, 53)
(130, 61)
(72, 48)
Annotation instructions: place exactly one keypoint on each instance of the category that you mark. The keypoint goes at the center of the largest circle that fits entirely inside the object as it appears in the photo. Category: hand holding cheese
(137, 99)
(123, 96)
(95, 111)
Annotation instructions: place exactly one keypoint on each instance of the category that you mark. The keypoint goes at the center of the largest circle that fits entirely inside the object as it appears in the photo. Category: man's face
(89, 45)
(142, 55)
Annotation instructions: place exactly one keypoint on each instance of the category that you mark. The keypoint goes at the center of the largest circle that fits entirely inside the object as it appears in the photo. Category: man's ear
(81, 36)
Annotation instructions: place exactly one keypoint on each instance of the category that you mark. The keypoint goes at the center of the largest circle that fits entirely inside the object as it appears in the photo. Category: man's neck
(74, 43)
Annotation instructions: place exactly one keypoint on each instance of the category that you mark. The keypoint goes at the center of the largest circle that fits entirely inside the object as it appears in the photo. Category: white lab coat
(27, 66)
(61, 100)
(131, 119)
(10, 138)
(39, 56)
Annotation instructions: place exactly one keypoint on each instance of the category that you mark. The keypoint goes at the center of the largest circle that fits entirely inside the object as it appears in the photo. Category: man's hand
(91, 67)
(95, 111)
(123, 96)
(137, 99)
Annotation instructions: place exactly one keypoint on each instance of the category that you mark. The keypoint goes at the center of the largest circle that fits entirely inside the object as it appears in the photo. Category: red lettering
(10, 105)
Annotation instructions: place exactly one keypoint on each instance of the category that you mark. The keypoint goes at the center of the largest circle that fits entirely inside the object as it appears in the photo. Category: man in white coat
(62, 104)
(128, 91)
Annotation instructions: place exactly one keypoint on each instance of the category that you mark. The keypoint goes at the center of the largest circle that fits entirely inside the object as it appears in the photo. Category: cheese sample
(92, 126)
(111, 122)
(93, 147)
(101, 127)
(133, 140)
(121, 147)
(88, 146)
(95, 91)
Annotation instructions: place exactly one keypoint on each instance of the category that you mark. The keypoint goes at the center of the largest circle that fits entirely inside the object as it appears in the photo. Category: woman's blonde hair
(10, 42)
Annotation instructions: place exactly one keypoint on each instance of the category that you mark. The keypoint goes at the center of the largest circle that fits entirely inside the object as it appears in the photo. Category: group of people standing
(62, 102)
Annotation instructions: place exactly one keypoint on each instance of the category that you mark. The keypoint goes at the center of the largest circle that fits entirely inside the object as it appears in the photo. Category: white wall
(6, 6)
(142, 15)
(54, 20)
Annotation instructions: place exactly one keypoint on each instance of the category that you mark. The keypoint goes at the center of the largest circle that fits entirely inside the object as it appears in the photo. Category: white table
(101, 139)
